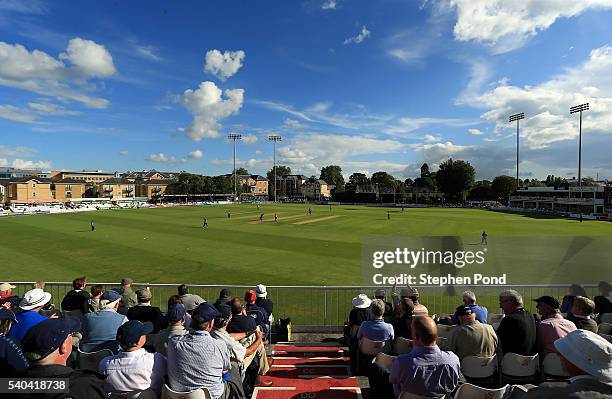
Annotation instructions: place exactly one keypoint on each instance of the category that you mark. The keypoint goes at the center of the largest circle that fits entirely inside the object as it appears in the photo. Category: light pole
(235, 136)
(573, 110)
(517, 118)
(274, 138)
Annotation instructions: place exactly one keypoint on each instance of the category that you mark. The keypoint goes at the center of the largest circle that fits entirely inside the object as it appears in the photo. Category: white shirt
(133, 371)
(237, 351)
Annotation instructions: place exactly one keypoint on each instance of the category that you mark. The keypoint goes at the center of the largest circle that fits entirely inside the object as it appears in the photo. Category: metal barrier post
(324, 305)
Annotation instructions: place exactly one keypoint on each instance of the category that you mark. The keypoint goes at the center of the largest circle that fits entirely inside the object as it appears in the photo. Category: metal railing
(329, 306)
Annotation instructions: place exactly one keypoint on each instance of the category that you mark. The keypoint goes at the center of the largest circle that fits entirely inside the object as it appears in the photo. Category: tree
(408, 182)
(333, 174)
(280, 171)
(357, 180)
(503, 186)
(481, 191)
(384, 182)
(426, 183)
(241, 172)
(455, 178)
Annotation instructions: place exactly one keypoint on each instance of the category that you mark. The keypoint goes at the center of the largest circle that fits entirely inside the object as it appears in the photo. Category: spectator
(144, 312)
(94, 300)
(30, 305)
(77, 298)
(469, 299)
(361, 310)
(260, 315)
(100, 328)
(402, 321)
(568, 300)
(472, 338)
(225, 299)
(587, 358)
(176, 318)
(603, 302)
(426, 371)
(553, 326)
(47, 346)
(191, 301)
(241, 355)
(517, 330)
(376, 329)
(6, 296)
(197, 360)
(11, 356)
(581, 313)
(263, 301)
(413, 294)
(128, 296)
(241, 322)
(382, 295)
(133, 369)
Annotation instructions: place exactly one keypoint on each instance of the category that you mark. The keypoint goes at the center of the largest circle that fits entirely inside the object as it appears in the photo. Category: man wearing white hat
(7, 297)
(587, 358)
(262, 299)
(30, 305)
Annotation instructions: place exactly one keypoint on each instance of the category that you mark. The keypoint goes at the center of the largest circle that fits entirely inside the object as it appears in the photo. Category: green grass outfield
(169, 245)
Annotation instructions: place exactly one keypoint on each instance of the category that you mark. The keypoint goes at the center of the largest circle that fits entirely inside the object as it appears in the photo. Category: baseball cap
(7, 314)
(6, 287)
(176, 312)
(109, 297)
(250, 296)
(143, 295)
(46, 336)
(34, 298)
(379, 293)
(589, 352)
(548, 300)
(464, 311)
(225, 293)
(206, 311)
(261, 291)
(129, 333)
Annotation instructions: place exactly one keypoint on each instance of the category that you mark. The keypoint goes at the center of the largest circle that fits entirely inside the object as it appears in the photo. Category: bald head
(424, 331)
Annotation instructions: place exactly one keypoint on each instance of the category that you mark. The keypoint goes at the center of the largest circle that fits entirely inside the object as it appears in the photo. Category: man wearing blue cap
(176, 318)
(198, 360)
(133, 369)
(47, 346)
(100, 328)
(11, 356)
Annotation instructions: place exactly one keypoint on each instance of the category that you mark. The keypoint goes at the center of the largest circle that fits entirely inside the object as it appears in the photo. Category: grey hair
(469, 295)
(378, 307)
(513, 296)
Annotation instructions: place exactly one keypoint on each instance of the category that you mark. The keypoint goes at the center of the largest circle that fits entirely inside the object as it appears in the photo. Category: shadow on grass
(539, 215)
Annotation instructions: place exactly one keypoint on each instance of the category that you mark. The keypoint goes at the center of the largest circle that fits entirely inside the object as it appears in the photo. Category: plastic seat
(552, 368)
(384, 361)
(402, 345)
(369, 347)
(201, 393)
(91, 360)
(470, 391)
(146, 394)
(519, 368)
(479, 366)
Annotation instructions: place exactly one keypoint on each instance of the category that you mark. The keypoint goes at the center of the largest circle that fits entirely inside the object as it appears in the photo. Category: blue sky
(371, 86)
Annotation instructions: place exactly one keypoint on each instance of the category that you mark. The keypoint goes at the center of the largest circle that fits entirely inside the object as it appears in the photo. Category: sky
(369, 85)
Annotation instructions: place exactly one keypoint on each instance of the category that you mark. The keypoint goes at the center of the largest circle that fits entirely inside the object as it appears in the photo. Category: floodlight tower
(274, 138)
(517, 118)
(573, 110)
(234, 137)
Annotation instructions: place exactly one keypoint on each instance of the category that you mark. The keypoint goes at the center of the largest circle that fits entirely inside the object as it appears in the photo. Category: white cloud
(46, 108)
(249, 139)
(16, 114)
(124, 153)
(329, 5)
(506, 25)
(363, 34)
(546, 105)
(430, 138)
(197, 154)
(161, 157)
(475, 132)
(6, 151)
(90, 58)
(293, 124)
(208, 107)
(38, 72)
(27, 164)
(148, 52)
(223, 65)
(23, 6)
